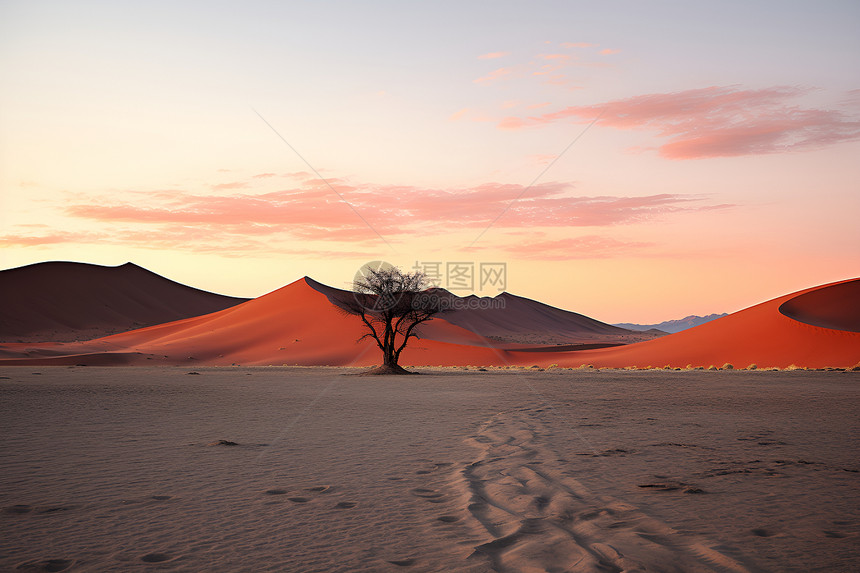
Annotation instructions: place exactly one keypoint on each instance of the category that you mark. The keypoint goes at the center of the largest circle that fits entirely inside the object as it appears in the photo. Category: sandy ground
(120, 469)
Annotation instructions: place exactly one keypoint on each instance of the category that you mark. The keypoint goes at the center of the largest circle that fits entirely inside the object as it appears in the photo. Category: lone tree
(392, 304)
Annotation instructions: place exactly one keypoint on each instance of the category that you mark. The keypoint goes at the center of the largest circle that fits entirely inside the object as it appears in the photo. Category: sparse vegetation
(392, 304)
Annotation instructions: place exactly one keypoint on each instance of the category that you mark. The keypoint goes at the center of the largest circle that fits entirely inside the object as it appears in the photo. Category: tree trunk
(389, 359)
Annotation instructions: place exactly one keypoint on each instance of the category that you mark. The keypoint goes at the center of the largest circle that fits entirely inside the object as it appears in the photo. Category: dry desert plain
(316, 469)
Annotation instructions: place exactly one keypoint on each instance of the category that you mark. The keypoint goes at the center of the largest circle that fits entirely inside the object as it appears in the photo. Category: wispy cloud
(231, 185)
(494, 75)
(715, 121)
(314, 211)
(50, 238)
(493, 55)
(552, 68)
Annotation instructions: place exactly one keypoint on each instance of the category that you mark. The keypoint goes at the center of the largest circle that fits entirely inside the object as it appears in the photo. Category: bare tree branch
(392, 305)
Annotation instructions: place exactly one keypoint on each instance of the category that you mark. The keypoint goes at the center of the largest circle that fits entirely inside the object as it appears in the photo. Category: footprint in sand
(18, 509)
(345, 504)
(318, 488)
(156, 558)
(162, 497)
(662, 486)
(49, 565)
(448, 518)
(430, 495)
(403, 562)
(222, 443)
(761, 532)
(56, 509)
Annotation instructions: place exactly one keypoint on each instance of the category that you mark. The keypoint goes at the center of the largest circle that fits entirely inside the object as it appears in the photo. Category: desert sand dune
(299, 325)
(56, 301)
(764, 335)
(514, 319)
(294, 325)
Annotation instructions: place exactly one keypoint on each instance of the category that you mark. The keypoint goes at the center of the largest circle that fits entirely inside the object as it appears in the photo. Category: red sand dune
(292, 325)
(760, 335)
(56, 301)
(297, 324)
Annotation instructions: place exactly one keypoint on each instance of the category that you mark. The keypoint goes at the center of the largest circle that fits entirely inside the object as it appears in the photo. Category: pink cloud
(512, 122)
(609, 52)
(196, 240)
(494, 75)
(314, 211)
(54, 238)
(577, 45)
(242, 223)
(715, 121)
(264, 175)
(493, 55)
(298, 175)
(543, 159)
(231, 185)
(561, 57)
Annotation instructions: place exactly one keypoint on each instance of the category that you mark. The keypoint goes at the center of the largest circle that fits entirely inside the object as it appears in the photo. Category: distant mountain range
(672, 326)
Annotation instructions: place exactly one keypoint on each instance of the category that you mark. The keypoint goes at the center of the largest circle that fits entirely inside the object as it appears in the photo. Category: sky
(632, 161)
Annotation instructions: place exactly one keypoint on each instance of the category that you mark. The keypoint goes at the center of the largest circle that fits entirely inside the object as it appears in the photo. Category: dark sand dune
(507, 318)
(61, 301)
(836, 307)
